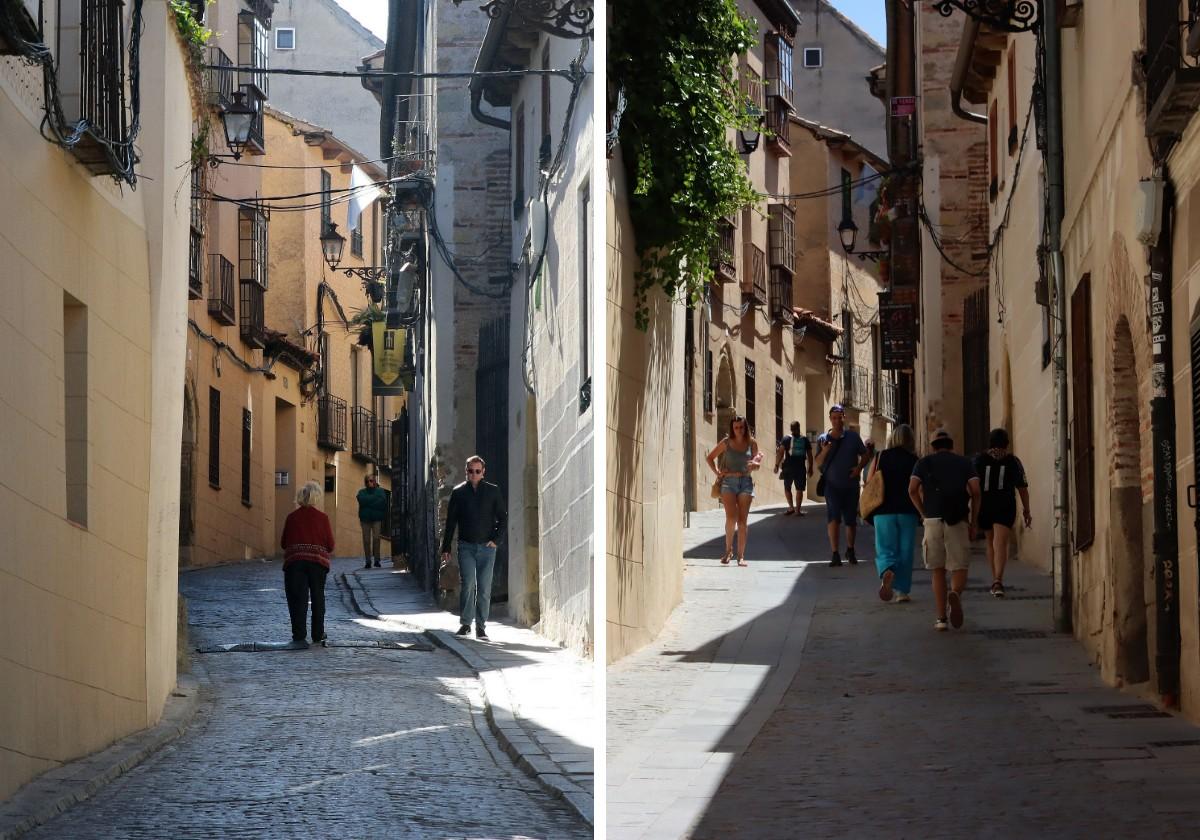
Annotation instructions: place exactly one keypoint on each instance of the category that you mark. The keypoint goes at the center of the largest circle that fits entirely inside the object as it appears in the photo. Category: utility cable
(391, 74)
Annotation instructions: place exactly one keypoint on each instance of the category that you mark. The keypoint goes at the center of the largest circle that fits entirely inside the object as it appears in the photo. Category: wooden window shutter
(1083, 446)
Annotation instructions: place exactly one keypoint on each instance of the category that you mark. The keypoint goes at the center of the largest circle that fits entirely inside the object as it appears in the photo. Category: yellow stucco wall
(87, 614)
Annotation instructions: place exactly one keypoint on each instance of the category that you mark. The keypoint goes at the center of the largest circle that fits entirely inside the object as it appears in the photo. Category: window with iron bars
(247, 426)
(750, 396)
(708, 382)
(356, 239)
(252, 246)
(196, 236)
(326, 200)
(214, 438)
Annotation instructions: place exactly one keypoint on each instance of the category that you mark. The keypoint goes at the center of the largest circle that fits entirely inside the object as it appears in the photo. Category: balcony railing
(364, 443)
(331, 422)
(781, 296)
(195, 264)
(888, 394)
(91, 84)
(724, 263)
(781, 237)
(253, 321)
(1172, 89)
(218, 84)
(754, 279)
(252, 246)
(383, 442)
(221, 290)
(856, 385)
(779, 126)
(750, 84)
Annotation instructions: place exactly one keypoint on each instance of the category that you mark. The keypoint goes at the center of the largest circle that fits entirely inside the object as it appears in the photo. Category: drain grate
(1189, 742)
(1118, 709)
(1011, 633)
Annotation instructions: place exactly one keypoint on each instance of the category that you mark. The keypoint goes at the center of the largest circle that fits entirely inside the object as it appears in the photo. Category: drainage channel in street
(261, 647)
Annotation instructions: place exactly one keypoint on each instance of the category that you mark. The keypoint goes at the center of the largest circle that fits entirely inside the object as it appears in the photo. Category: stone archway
(1126, 531)
(726, 393)
(1130, 584)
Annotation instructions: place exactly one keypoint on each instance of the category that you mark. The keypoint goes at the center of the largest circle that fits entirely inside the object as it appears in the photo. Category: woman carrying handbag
(895, 519)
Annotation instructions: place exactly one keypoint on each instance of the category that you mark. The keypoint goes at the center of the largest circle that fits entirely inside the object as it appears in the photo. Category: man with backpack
(794, 463)
(945, 490)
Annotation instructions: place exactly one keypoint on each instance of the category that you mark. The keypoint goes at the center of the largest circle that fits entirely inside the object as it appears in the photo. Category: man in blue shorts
(841, 456)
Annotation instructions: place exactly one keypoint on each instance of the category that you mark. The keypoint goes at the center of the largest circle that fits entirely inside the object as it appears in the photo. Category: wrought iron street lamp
(333, 244)
(848, 233)
(238, 119)
(1001, 15)
(748, 138)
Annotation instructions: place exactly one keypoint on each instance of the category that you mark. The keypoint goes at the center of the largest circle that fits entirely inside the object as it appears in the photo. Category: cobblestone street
(801, 705)
(329, 742)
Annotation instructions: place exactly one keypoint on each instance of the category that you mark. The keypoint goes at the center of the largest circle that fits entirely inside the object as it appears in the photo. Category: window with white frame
(813, 58)
(285, 38)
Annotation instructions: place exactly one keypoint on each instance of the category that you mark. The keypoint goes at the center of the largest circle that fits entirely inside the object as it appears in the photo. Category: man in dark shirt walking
(477, 512)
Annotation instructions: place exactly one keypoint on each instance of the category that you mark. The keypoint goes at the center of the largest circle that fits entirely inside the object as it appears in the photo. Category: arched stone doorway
(187, 484)
(1129, 509)
(726, 393)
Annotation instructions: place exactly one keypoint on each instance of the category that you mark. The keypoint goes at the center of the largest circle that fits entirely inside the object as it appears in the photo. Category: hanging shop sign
(898, 335)
(387, 355)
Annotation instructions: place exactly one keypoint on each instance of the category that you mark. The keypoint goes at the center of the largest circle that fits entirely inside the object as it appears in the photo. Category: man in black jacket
(477, 511)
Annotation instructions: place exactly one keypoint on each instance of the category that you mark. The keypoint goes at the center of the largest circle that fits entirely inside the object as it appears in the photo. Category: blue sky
(868, 14)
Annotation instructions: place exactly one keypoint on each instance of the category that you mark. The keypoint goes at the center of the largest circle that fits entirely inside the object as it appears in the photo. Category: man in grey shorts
(945, 490)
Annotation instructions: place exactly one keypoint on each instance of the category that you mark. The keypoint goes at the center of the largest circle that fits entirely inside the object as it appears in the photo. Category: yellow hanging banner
(387, 351)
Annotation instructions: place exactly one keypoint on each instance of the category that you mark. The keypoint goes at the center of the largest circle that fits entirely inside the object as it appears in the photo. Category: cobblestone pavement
(328, 742)
(1001, 729)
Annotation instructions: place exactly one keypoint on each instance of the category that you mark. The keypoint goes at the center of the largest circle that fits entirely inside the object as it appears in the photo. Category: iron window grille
(778, 410)
(383, 442)
(356, 239)
(363, 434)
(754, 283)
(196, 237)
(779, 65)
(708, 382)
(247, 426)
(221, 290)
(724, 261)
(253, 327)
(750, 396)
(750, 84)
(779, 125)
(781, 296)
(252, 246)
(218, 83)
(888, 397)
(331, 422)
(214, 438)
(91, 84)
(856, 386)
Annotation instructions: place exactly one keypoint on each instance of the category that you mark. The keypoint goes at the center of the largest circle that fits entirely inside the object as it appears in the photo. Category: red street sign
(904, 106)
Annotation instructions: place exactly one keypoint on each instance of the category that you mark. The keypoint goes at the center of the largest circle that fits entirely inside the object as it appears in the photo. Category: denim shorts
(738, 485)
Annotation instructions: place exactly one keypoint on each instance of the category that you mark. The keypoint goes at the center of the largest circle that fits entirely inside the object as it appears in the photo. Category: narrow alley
(378, 742)
(788, 694)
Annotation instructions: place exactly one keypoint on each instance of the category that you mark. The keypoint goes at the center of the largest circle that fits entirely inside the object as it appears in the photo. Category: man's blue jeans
(476, 561)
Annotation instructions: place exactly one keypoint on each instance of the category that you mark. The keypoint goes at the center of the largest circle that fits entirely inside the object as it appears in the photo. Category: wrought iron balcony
(363, 434)
(888, 397)
(779, 125)
(253, 319)
(781, 237)
(856, 387)
(781, 296)
(331, 422)
(1172, 89)
(221, 290)
(754, 279)
(218, 83)
(724, 261)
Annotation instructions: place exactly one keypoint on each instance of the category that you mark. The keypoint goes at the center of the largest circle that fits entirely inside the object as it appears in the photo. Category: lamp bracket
(564, 18)
(1002, 15)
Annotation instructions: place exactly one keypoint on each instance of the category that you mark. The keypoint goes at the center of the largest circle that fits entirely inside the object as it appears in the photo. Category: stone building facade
(95, 280)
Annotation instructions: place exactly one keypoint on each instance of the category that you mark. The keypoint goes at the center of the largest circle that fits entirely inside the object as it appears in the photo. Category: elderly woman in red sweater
(307, 543)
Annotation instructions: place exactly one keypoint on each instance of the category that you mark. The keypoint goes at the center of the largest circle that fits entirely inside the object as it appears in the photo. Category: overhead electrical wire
(392, 74)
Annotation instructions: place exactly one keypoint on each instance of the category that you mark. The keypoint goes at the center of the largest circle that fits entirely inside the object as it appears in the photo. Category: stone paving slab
(786, 700)
(539, 697)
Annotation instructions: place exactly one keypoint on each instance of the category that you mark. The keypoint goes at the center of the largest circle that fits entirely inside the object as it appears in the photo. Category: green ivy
(674, 62)
(195, 34)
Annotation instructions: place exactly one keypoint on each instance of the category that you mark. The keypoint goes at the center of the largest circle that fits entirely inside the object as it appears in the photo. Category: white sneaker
(941, 624)
(901, 598)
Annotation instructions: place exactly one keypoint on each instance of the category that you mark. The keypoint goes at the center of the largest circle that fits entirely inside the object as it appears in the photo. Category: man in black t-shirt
(945, 491)
(794, 463)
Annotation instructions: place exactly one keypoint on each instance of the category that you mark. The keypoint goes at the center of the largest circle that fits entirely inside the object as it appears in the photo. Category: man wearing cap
(945, 490)
(841, 455)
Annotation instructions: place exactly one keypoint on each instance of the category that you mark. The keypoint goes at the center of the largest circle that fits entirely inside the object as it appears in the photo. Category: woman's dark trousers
(303, 580)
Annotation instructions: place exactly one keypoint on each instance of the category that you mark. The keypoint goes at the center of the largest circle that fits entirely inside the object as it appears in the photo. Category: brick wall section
(961, 148)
